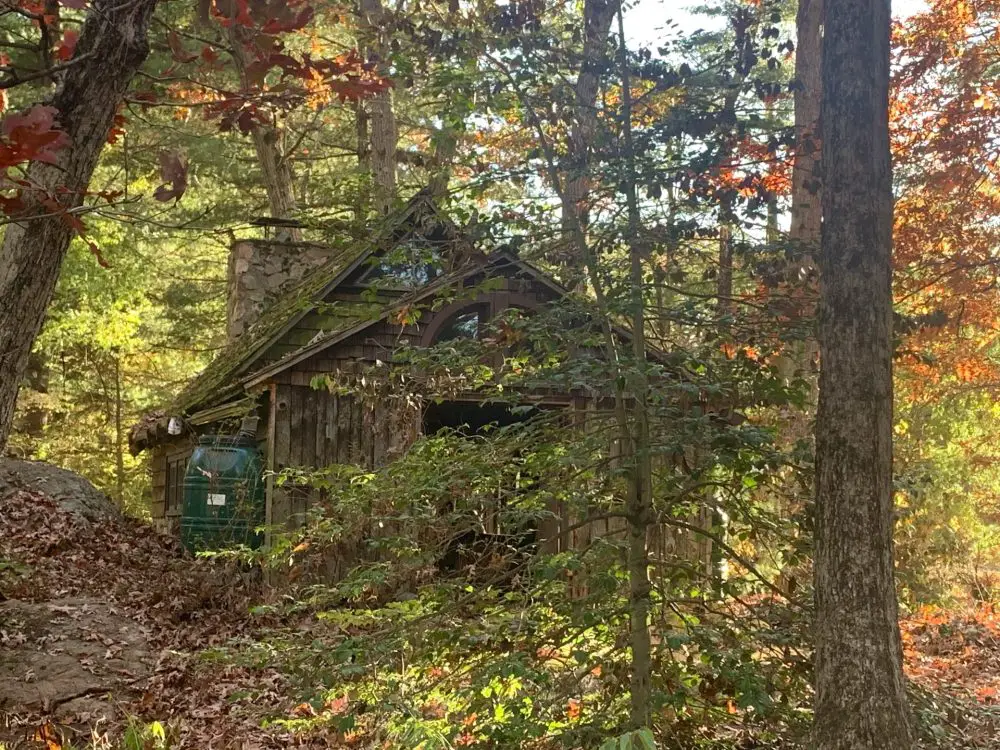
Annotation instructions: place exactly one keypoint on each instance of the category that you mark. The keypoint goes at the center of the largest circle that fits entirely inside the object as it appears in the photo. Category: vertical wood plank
(354, 440)
(343, 429)
(332, 418)
(381, 419)
(282, 451)
(307, 438)
(295, 424)
(365, 441)
(319, 449)
(272, 420)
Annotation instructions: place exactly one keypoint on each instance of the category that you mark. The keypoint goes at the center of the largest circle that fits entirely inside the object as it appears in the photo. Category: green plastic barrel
(223, 495)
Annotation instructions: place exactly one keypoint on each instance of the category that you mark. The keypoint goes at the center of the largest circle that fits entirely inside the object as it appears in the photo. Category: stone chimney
(260, 271)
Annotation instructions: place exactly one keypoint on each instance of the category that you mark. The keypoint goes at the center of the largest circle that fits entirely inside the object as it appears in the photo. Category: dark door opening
(471, 418)
(480, 533)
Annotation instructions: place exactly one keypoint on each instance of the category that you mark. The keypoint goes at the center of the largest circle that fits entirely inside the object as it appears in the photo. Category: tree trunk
(382, 116)
(639, 505)
(36, 378)
(860, 696)
(279, 181)
(807, 208)
(364, 161)
(597, 18)
(115, 37)
(120, 441)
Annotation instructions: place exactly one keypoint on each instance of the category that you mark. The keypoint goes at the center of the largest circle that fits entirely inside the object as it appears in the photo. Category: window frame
(493, 303)
(173, 490)
(370, 279)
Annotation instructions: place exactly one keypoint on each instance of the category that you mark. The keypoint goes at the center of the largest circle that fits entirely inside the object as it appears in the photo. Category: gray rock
(71, 491)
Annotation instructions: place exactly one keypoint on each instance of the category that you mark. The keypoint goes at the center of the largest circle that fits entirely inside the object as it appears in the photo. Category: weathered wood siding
(163, 457)
(316, 429)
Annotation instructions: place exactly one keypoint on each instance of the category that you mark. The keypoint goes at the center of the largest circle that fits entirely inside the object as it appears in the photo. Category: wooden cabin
(297, 311)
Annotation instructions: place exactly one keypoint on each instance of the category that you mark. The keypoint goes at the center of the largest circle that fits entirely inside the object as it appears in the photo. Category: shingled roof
(244, 363)
(221, 379)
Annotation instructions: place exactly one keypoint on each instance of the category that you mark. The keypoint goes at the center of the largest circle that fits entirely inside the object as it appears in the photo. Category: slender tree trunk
(860, 696)
(35, 418)
(597, 18)
(115, 35)
(727, 216)
(797, 361)
(807, 205)
(119, 433)
(279, 180)
(364, 161)
(807, 208)
(441, 163)
(724, 281)
(382, 116)
(639, 507)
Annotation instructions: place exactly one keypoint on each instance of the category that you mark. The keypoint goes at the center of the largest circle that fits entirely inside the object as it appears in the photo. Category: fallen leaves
(184, 606)
(954, 652)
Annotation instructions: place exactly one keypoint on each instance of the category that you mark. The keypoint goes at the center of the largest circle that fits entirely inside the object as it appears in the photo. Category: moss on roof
(221, 379)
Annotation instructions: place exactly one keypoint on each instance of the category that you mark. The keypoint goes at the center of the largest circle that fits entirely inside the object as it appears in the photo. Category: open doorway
(471, 418)
(486, 534)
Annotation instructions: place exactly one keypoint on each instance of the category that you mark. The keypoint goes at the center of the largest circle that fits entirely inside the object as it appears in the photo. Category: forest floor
(104, 624)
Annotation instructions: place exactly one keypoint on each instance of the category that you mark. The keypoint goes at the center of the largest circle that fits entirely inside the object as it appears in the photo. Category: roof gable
(358, 322)
(222, 378)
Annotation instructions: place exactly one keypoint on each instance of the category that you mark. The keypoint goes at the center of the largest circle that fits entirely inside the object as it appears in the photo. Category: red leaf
(177, 50)
(101, 260)
(242, 17)
(77, 4)
(174, 172)
(278, 26)
(31, 136)
(68, 45)
(209, 55)
(117, 128)
(13, 205)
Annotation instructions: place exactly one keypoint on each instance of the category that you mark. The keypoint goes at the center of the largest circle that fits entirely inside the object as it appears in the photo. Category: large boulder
(70, 491)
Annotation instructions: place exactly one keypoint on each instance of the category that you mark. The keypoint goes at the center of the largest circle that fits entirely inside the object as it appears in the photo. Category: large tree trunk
(382, 120)
(860, 696)
(267, 139)
(115, 38)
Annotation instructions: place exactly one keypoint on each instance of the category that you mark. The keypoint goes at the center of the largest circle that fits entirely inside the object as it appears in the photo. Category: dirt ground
(102, 619)
(104, 622)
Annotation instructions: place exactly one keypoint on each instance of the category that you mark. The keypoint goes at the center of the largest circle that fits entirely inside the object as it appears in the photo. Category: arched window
(410, 264)
(467, 323)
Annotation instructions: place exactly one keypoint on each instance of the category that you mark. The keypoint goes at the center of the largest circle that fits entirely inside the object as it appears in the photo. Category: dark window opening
(488, 536)
(471, 418)
(411, 264)
(174, 490)
(465, 325)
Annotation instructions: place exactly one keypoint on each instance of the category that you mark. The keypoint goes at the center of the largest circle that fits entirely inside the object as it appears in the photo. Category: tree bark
(382, 116)
(807, 208)
(279, 180)
(860, 697)
(597, 18)
(115, 37)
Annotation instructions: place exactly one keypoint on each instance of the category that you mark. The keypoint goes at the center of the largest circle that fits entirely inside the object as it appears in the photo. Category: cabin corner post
(272, 408)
